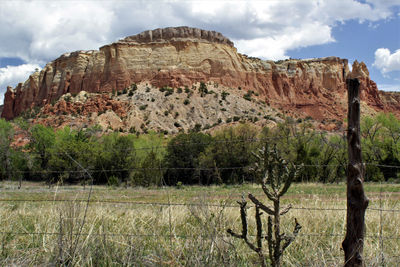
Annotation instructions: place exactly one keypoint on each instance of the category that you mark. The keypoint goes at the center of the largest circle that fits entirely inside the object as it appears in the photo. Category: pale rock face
(109, 120)
(183, 56)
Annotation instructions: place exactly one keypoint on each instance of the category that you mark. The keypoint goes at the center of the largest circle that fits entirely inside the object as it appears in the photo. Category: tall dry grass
(117, 234)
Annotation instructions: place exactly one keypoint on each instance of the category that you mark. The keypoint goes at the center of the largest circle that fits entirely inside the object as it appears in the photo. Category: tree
(372, 141)
(70, 147)
(116, 156)
(229, 154)
(6, 137)
(41, 143)
(181, 159)
(391, 144)
(149, 171)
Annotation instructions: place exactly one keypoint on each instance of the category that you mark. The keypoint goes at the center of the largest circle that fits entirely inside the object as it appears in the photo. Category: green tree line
(224, 157)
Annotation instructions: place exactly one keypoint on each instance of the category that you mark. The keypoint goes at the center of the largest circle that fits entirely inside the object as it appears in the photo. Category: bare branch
(259, 228)
(261, 205)
(289, 240)
(266, 191)
(271, 242)
(286, 210)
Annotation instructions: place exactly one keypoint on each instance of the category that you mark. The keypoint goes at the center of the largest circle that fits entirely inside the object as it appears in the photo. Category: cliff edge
(183, 56)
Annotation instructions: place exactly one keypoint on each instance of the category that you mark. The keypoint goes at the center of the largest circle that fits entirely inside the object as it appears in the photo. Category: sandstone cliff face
(184, 56)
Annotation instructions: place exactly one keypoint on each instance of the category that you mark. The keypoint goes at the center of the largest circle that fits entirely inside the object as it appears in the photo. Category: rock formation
(183, 56)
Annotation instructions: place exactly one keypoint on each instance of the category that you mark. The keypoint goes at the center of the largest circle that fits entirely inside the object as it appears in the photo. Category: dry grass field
(183, 226)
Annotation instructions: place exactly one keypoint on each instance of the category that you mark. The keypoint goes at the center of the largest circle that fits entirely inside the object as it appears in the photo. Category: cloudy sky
(35, 32)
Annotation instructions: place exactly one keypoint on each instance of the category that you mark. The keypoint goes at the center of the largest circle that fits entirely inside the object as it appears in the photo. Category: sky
(33, 33)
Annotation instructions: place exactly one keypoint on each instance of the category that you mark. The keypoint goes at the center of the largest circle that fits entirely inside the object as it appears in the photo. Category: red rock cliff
(183, 56)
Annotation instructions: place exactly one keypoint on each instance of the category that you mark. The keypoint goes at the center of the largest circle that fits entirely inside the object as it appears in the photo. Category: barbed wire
(180, 235)
(178, 204)
(159, 169)
(186, 168)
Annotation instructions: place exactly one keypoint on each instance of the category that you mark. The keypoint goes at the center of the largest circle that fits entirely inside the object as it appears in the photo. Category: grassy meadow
(138, 227)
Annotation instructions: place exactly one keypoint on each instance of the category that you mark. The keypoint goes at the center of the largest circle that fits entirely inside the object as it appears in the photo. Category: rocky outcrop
(391, 101)
(176, 34)
(183, 56)
(8, 111)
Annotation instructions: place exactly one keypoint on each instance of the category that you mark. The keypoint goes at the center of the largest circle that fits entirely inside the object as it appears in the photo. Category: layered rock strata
(183, 56)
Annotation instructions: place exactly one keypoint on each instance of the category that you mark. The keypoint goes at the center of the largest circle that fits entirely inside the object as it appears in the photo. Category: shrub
(186, 102)
(248, 95)
(206, 127)
(169, 91)
(179, 185)
(203, 89)
(143, 107)
(196, 128)
(176, 124)
(113, 181)
(224, 95)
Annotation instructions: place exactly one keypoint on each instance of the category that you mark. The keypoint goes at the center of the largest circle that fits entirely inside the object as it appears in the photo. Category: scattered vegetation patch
(248, 95)
(143, 107)
(224, 95)
(203, 89)
(134, 87)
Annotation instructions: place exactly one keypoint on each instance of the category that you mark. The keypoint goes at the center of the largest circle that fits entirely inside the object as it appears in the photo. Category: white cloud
(38, 31)
(275, 47)
(389, 87)
(12, 75)
(387, 62)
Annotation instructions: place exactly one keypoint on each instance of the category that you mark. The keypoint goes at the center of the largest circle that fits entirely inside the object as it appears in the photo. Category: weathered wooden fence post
(357, 202)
